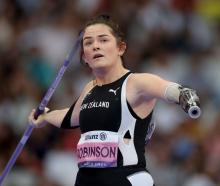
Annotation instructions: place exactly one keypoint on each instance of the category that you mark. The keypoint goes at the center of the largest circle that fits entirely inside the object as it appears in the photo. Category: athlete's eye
(87, 43)
(103, 40)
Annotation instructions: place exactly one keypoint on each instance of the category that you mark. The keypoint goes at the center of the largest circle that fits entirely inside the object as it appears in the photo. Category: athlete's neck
(109, 76)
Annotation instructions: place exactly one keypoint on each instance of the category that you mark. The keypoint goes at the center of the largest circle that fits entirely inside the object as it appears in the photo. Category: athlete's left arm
(150, 86)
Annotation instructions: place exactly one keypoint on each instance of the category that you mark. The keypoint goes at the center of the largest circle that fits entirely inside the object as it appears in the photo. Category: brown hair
(106, 20)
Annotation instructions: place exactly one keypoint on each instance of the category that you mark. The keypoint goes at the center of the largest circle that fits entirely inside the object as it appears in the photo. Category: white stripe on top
(128, 151)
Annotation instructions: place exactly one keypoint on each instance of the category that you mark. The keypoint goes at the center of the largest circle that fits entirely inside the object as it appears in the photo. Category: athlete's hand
(40, 121)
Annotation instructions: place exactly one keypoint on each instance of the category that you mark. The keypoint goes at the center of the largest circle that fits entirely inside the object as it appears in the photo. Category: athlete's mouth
(97, 56)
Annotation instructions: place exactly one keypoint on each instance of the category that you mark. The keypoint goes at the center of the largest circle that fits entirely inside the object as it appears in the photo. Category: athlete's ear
(122, 48)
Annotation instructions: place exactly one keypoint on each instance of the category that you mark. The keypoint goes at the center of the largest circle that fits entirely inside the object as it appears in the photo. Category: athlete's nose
(96, 46)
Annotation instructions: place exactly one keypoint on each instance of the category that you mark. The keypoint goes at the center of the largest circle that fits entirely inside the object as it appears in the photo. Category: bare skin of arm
(143, 90)
(56, 117)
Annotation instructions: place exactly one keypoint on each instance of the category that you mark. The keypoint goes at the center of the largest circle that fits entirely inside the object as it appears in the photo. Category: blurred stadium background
(176, 39)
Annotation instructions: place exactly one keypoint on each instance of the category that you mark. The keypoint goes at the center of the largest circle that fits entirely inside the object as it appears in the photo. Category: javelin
(41, 108)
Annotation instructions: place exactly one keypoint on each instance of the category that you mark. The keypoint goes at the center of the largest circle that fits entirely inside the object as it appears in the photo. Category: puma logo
(114, 91)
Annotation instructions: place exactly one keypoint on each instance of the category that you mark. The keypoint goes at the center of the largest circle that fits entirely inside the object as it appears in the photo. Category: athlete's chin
(98, 64)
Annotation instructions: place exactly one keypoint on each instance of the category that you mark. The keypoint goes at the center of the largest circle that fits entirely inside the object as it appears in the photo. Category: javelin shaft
(40, 109)
(16, 153)
(55, 83)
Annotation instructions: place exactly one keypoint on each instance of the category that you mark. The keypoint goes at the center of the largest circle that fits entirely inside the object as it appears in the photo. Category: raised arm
(149, 87)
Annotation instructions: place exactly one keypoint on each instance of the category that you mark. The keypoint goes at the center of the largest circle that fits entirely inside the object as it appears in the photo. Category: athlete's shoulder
(87, 88)
(143, 74)
(136, 78)
(89, 85)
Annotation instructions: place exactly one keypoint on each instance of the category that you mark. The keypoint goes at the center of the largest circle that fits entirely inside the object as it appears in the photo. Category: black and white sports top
(106, 112)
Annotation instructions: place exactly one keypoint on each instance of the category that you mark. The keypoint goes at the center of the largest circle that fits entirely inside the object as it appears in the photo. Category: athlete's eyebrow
(100, 36)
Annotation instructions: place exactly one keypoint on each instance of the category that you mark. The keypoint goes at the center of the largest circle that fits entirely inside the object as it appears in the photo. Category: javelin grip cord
(41, 108)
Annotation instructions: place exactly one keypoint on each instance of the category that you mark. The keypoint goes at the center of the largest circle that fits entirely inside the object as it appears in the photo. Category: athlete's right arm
(64, 118)
(54, 117)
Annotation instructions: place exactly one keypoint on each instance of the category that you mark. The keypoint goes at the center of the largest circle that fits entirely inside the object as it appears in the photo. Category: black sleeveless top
(106, 108)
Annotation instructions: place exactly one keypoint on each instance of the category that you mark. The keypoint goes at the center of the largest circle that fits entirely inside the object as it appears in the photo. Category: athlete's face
(100, 47)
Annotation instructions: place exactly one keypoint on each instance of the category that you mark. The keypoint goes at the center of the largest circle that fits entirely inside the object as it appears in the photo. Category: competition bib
(98, 149)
